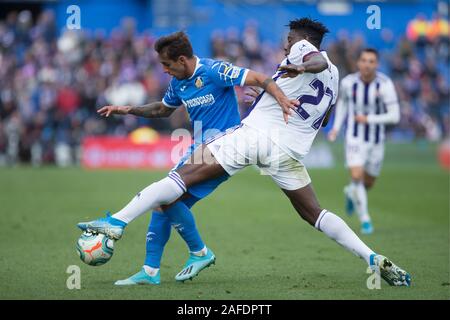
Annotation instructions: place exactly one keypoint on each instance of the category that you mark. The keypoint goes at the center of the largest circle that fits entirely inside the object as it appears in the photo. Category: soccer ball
(95, 249)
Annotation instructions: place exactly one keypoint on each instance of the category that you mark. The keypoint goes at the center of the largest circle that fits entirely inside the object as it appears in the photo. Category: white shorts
(367, 155)
(242, 146)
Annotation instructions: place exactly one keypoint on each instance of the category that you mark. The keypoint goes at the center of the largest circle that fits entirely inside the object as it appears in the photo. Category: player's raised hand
(291, 70)
(106, 111)
(332, 135)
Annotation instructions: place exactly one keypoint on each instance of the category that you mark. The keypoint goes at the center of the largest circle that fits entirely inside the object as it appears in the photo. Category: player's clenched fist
(106, 111)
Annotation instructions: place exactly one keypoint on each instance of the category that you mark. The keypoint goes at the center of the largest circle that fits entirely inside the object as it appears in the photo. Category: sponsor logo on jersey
(199, 82)
(204, 101)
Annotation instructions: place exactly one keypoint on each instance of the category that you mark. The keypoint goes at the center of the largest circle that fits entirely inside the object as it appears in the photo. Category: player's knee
(357, 174)
(357, 177)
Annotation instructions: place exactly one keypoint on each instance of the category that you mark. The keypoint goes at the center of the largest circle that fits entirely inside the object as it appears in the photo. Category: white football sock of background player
(358, 194)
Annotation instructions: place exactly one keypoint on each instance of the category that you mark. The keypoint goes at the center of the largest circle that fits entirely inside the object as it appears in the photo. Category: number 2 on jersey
(316, 84)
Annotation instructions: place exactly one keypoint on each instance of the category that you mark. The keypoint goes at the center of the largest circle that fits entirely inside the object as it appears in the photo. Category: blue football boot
(194, 265)
(139, 278)
(349, 205)
(109, 226)
(367, 228)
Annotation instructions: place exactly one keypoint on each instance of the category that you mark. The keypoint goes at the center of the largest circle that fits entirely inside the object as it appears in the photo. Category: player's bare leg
(357, 173)
(369, 181)
(201, 166)
(307, 206)
(305, 203)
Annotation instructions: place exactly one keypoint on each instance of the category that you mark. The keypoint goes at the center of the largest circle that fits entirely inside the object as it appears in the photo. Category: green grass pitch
(264, 250)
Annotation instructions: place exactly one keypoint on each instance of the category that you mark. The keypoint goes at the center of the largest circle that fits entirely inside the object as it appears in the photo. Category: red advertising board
(122, 152)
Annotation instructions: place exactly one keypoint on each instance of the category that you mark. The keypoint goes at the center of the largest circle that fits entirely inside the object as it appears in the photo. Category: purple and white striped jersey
(377, 99)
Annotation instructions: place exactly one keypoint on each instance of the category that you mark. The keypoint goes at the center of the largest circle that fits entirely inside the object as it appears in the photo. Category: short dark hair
(370, 50)
(175, 45)
(314, 29)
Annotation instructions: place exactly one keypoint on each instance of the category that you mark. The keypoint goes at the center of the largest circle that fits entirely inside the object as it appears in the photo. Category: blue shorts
(202, 189)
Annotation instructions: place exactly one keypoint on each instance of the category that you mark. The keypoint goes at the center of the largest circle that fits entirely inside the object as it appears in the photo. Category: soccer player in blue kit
(206, 88)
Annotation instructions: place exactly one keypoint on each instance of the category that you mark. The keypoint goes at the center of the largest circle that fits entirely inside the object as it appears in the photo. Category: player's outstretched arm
(340, 115)
(390, 100)
(392, 116)
(268, 84)
(151, 110)
(314, 63)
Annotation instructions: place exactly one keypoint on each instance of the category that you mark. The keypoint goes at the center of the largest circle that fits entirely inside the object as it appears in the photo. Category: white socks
(164, 191)
(154, 271)
(358, 194)
(335, 228)
(151, 271)
(201, 253)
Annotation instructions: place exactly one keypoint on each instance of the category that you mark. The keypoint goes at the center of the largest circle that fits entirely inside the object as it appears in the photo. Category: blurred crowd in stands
(51, 86)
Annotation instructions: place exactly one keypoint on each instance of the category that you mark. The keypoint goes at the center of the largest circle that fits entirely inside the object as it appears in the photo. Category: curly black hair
(310, 28)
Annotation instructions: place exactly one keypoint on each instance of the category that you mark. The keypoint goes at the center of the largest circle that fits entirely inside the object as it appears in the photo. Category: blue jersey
(210, 99)
(208, 96)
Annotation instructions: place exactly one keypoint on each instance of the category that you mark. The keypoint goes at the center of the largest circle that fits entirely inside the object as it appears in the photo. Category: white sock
(150, 271)
(335, 228)
(359, 197)
(164, 191)
(201, 253)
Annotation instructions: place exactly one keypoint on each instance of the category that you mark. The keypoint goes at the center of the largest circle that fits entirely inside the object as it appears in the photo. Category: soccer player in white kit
(275, 145)
(369, 102)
